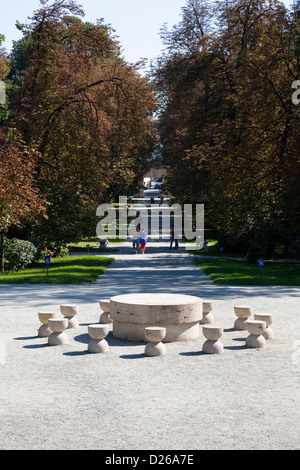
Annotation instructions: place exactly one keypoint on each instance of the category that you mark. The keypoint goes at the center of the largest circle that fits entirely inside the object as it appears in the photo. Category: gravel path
(65, 398)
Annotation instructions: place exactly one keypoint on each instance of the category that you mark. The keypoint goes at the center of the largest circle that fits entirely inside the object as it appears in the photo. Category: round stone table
(179, 314)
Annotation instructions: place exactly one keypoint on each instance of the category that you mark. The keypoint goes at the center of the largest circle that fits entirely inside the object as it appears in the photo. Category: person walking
(174, 237)
(143, 240)
(135, 240)
(135, 232)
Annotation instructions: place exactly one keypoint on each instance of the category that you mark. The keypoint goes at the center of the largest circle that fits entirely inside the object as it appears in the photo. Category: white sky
(137, 22)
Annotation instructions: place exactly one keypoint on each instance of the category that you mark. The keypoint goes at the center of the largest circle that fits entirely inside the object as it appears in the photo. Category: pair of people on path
(139, 237)
(139, 240)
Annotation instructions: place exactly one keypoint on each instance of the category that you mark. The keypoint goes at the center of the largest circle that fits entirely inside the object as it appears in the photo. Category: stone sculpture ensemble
(156, 319)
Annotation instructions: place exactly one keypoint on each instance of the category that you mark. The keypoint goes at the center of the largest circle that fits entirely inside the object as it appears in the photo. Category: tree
(88, 112)
(19, 196)
(4, 68)
(227, 119)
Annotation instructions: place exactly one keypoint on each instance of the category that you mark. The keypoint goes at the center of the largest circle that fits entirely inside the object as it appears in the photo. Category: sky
(137, 22)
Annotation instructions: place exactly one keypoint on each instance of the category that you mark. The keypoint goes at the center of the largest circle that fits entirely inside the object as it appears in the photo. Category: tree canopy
(229, 130)
(80, 124)
(85, 110)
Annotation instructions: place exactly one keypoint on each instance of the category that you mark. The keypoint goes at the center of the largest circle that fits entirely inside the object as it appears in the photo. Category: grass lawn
(237, 272)
(68, 270)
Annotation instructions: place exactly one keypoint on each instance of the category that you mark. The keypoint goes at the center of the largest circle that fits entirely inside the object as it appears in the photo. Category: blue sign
(261, 262)
(47, 260)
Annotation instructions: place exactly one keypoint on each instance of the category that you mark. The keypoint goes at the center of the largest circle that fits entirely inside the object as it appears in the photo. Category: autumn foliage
(78, 128)
(85, 110)
(229, 130)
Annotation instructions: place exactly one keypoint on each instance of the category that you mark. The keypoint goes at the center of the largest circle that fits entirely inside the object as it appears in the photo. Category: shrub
(19, 253)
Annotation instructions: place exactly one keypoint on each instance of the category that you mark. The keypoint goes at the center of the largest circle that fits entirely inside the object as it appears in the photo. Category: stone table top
(156, 308)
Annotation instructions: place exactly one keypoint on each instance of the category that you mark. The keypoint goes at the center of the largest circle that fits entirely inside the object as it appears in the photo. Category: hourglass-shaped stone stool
(69, 311)
(212, 333)
(155, 335)
(44, 330)
(58, 327)
(268, 318)
(256, 329)
(105, 307)
(98, 344)
(207, 306)
(243, 313)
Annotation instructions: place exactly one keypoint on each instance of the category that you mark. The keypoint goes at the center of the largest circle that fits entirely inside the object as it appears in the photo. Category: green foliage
(19, 253)
(56, 251)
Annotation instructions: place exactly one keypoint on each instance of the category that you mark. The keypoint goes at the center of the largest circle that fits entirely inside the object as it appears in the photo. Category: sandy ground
(66, 398)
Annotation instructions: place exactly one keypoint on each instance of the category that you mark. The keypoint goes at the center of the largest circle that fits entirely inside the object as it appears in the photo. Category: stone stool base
(212, 347)
(240, 324)
(207, 319)
(155, 349)
(255, 341)
(73, 322)
(105, 318)
(98, 346)
(44, 331)
(56, 339)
